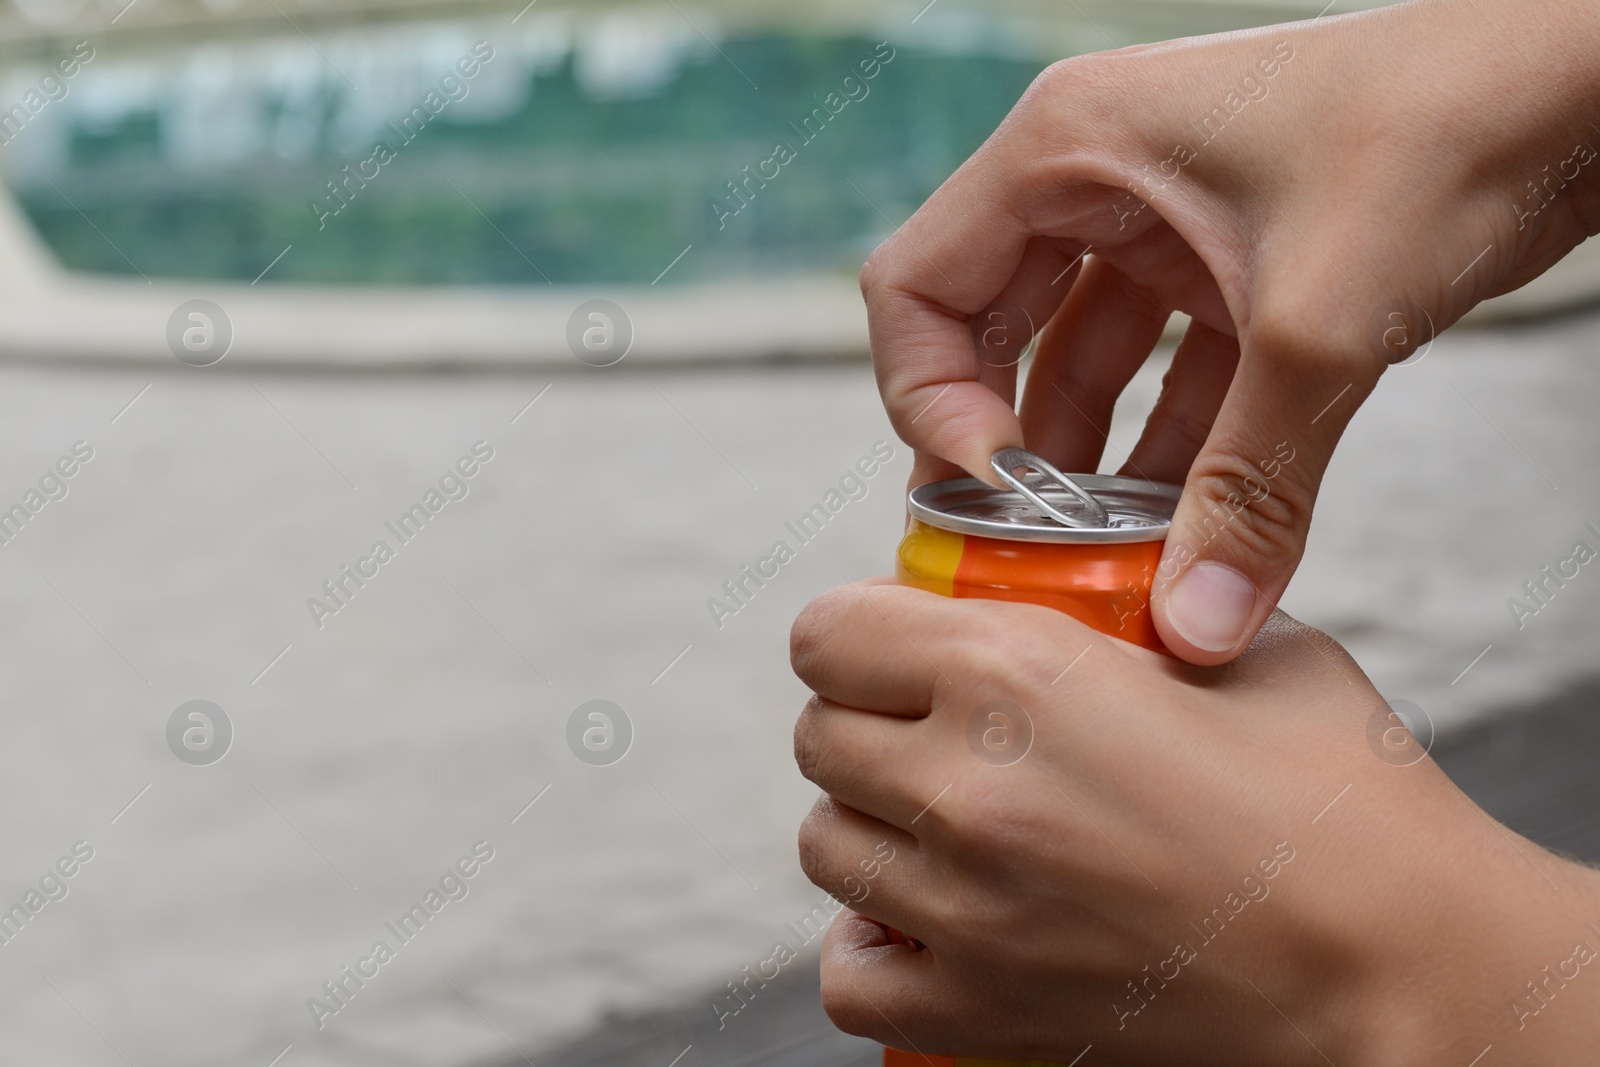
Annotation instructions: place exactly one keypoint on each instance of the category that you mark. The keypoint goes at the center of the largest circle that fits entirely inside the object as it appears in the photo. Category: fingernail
(1211, 605)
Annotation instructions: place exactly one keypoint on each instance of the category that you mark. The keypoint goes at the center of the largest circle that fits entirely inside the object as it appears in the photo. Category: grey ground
(427, 714)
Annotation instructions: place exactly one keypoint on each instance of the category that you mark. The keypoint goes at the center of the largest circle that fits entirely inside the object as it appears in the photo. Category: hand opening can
(1087, 545)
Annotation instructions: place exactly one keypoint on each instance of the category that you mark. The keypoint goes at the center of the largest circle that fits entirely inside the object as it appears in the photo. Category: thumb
(1240, 527)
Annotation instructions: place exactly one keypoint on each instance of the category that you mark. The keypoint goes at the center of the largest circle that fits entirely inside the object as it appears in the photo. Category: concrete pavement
(374, 753)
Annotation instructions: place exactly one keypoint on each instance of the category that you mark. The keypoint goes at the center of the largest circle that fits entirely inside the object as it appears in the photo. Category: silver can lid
(1048, 506)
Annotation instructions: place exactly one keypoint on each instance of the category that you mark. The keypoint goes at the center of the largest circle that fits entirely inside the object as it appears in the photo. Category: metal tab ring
(1007, 460)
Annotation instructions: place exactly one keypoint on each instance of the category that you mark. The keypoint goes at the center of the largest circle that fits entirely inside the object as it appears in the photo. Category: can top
(1097, 508)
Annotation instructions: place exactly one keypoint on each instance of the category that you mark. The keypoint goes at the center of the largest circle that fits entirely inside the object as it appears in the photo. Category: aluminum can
(969, 539)
(1085, 544)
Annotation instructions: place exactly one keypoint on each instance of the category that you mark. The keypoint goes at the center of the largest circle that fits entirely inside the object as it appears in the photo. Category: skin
(1386, 176)
(1362, 908)
(1312, 244)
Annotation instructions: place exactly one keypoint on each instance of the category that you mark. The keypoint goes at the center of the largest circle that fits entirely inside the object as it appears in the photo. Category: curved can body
(1103, 586)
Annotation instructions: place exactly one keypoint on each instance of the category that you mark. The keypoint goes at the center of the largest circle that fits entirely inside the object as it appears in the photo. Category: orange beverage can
(1086, 544)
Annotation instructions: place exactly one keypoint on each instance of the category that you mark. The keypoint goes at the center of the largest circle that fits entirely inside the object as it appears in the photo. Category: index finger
(999, 235)
(847, 647)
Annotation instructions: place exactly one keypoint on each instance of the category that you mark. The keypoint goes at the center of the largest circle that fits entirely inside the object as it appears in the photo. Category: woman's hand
(1320, 197)
(1101, 845)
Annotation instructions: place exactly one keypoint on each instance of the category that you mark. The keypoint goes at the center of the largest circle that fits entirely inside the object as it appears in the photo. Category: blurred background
(272, 341)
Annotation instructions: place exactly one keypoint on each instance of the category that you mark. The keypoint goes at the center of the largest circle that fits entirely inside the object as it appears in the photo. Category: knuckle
(1007, 656)
(807, 746)
(1285, 639)
(1264, 518)
(1188, 431)
(1044, 88)
(811, 844)
(808, 637)
(1142, 300)
(978, 814)
(1072, 98)
(1326, 648)
(871, 273)
(891, 276)
(1071, 78)
(1095, 398)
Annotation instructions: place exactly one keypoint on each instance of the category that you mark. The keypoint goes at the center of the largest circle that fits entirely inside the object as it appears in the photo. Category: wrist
(1501, 948)
(1549, 1009)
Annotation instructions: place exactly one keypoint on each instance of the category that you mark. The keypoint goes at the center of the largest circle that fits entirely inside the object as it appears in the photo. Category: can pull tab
(1006, 462)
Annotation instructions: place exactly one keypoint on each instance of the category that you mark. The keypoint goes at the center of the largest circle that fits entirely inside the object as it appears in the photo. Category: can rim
(1110, 485)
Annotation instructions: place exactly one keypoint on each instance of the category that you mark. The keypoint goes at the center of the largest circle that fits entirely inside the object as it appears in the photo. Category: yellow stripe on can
(928, 558)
